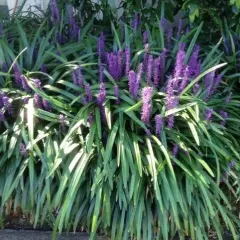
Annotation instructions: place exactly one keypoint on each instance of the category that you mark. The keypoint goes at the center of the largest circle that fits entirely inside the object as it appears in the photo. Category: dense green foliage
(115, 173)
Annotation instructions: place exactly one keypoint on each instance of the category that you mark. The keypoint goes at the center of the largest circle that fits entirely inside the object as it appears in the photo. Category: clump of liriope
(139, 145)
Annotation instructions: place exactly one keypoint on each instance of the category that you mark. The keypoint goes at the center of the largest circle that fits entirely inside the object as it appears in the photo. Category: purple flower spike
(127, 56)
(84, 100)
(55, 15)
(145, 58)
(2, 117)
(17, 74)
(185, 79)
(25, 84)
(43, 68)
(7, 104)
(229, 98)
(157, 71)
(23, 150)
(163, 24)
(193, 62)
(158, 124)
(136, 22)
(162, 65)
(116, 94)
(37, 101)
(179, 28)
(119, 64)
(208, 114)
(132, 82)
(145, 37)
(102, 95)
(224, 115)
(4, 67)
(149, 70)
(218, 80)
(89, 93)
(101, 45)
(138, 80)
(146, 107)
(79, 77)
(37, 83)
(175, 150)
(101, 75)
(179, 66)
(46, 105)
(208, 81)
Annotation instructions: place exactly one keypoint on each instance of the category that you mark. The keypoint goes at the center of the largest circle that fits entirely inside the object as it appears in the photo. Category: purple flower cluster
(115, 64)
(169, 37)
(43, 68)
(136, 22)
(77, 76)
(127, 60)
(224, 115)
(193, 62)
(25, 84)
(208, 114)
(179, 67)
(73, 29)
(55, 15)
(37, 101)
(101, 45)
(145, 37)
(46, 105)
(149, 69)
(175, 149)
(146, 107)
(7, 104)
(163, 24)
(102, 95)
(89, 93)
(101, 74)
(158, 124)
(17, 74)
(156, 72)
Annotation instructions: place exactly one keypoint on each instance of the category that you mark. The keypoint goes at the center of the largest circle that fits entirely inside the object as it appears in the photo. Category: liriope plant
(134, 135)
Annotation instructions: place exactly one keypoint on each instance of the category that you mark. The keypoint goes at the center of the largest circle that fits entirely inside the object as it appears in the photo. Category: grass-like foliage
(132, 131)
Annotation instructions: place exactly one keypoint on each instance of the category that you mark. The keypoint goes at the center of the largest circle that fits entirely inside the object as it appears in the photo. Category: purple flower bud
(37, 101)
(157, 71)
(218, 80)
(146, 107)
(101, 45)
(127, 56)
(2, 117)
(55, 15)
(145, 37)
(228, 99)
(175, 150)
(37, 83)
(101, 75)
(163, 24)
(208, 114)
(7, 104)
(4, 67)
(70, 14)
(43, 68)
(46, 105)
(179, 28)
(224, 115)
(116, 94)
(113, 65)
(25, 100)
(149, 69)
(185, 79)
(148, 132)
(208, 81)
(17, 74)
(23, 150)
(132, 82)
(158, 124)
(89, 93)
(90, 119)
(102, 95)
(25, 84)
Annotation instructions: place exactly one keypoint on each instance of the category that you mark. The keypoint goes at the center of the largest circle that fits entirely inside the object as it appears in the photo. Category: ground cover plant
(129, 131)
